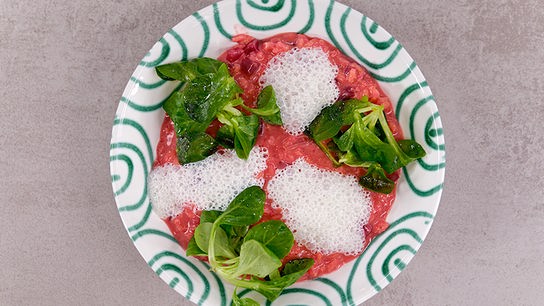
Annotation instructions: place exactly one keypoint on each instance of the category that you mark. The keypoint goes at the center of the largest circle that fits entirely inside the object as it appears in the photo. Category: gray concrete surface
(64, 64)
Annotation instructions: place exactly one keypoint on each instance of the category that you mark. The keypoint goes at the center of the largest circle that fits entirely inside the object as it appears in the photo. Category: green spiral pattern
(207, 33)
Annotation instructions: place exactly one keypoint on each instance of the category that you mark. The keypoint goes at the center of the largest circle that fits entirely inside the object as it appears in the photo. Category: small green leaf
(195, 147)
(345, 142)
(176, 71)
(370, 148)
(197, 95)
(202, 146)
(333, 147)
(209, 88)
(236, 301)
(202, 235)
(376, 180)
(351, 107)
(292, 271)
(208, 94)
(271, 291)
(267, 107)
(328, 152)
(245, 134)
(236, 235)
(403, 158)
(297, 267)
(327, 124)
(206, 65)
(256, 259)
(351, 159)
(186, 71)
(222, 246)
(273, 287)
(193, 249)
(235, 231)
(225, 136)
(247, 208)
(209, 215)
(174, 106)
(411, 148)
(274, 235)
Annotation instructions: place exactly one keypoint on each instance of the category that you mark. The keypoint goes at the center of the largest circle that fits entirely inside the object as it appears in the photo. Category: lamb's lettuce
(209, 92)
(356, 133)
(248, 258)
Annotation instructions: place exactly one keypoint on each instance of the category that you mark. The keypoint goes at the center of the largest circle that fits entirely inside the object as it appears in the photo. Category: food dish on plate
(330, 127)
(209, 33)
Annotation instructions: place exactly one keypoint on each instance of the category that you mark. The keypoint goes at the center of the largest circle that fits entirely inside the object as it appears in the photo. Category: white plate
(207, 33)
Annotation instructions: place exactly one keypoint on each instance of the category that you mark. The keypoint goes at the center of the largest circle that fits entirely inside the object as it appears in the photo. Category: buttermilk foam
(325, 210)
(304, 82)
(208, 184)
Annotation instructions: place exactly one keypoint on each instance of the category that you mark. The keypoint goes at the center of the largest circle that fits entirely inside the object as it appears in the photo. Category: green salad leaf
(193, 249)
(186, 71)
(271, 289)
(376, 180)
(246, 129)
(236, 235)
(194, 147)
(209, 215)
(236, 301)
(351, 107)
(274, 235)
(327, 124)
(210, 92)
(225, 136)
(356, 133)
(246, 254)
(411, 148)
(246, 208)
(256, 259)
(222, 247)
(174, 106)
(267, 107)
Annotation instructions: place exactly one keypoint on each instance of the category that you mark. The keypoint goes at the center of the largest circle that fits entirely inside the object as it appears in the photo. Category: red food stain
(247, 61)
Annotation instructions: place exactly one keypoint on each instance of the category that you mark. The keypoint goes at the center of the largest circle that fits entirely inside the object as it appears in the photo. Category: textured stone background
(64, 64)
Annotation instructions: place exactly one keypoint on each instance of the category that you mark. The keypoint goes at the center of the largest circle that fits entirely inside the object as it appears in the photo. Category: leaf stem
(328, 153)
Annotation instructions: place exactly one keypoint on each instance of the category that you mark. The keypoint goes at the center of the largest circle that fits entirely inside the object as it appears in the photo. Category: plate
(207, 33)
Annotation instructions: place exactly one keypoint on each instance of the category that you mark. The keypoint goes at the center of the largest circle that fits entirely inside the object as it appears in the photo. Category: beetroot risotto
(296, 119)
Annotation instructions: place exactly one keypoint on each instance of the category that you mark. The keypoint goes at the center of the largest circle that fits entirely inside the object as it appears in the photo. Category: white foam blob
(304, 82)
(208, 184)
(325, 210)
